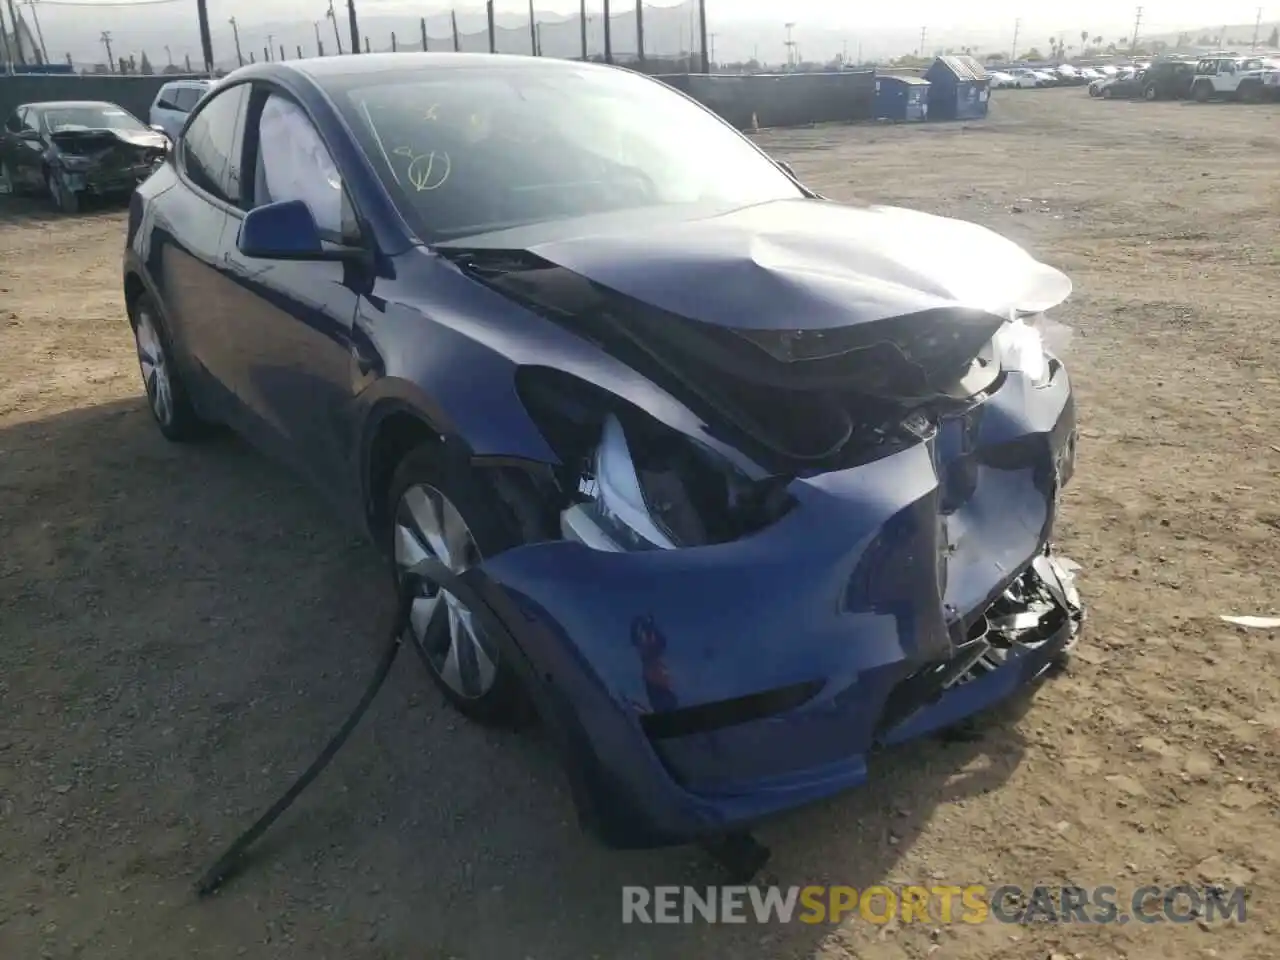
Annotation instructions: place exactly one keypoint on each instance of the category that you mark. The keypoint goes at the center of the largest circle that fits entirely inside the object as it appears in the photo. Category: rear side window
(185, 98)
(210, 156)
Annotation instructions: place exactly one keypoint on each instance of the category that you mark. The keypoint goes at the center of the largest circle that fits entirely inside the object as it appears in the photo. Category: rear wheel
(166, 393)
(1106, 93)
(64, 198)
(9, 181)
(1250, 92)
(1149, 92)
(454, 514)
(1201, 92)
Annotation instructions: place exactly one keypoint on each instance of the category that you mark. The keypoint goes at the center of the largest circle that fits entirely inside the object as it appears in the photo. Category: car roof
(50, 104)
(326, 71)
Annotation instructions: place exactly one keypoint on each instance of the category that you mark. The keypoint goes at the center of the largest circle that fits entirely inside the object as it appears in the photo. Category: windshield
(470, 151)
(89, 117)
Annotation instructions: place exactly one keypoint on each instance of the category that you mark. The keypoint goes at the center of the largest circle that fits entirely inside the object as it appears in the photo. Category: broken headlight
(1018, 346)
(652, 489)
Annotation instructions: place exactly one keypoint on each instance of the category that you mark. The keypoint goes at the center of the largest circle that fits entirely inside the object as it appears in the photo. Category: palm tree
(1084, 38)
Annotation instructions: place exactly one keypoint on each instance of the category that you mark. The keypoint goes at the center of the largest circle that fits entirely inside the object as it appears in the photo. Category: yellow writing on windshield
(426, 171)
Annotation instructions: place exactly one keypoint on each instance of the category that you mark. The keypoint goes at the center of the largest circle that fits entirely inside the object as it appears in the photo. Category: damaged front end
(852, 548)
(104, 162)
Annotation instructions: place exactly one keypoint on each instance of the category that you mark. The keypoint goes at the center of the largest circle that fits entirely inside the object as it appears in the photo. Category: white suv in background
(173, 102)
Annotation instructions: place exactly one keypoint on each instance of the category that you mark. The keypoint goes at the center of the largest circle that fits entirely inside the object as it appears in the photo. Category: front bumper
(694, 692)
(102, 181)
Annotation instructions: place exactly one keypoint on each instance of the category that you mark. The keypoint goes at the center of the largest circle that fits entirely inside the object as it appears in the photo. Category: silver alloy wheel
(155, 367)
(429, 525)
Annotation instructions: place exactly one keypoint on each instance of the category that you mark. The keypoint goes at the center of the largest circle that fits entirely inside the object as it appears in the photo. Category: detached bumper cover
(694, 691)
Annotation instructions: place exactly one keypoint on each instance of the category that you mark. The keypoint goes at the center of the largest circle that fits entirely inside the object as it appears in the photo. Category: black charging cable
(231, 860)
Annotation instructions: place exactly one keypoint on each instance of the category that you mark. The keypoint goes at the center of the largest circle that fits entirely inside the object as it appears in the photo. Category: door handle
(366, 361)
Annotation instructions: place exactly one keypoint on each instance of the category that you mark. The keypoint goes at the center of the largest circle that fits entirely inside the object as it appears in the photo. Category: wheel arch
(395, 428)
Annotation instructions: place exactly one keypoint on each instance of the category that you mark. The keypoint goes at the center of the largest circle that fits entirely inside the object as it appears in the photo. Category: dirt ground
(182, 628)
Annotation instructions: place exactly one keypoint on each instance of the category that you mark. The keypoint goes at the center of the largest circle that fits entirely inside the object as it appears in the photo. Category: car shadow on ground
(30, 208)
(190, 626)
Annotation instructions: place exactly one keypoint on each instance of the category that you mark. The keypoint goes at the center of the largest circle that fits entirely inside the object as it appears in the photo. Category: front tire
(1201, 92)
(63, 197)
(166, 393)
(1150, 92)
(1107, 94)
(454, 514)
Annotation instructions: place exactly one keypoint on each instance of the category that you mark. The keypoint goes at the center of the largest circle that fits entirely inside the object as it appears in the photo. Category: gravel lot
(181, 628)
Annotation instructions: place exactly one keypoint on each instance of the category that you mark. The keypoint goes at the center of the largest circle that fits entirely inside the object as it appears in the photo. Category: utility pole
(17, 36)
(367, 48)
(1137, 22)
(394, 48)
(608, 35)
(35, 18)
(267, 49)
(537, 41)
(299, 48)
(791, 46)
(702, 35)
(319, 42)
(355, 30)
(711, 42)
(4, 43)
(1257, 25)
(282, 57)
(206, 38)
(640, 31)
(422, 25)
(336, 35)
(493, 38)
(924, 32)
(169, 54)
(533, 31)
(1017, 26)
(457, 41)
(106, 42)
(582, 26)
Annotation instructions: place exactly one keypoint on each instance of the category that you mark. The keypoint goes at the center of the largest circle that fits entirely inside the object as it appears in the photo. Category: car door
(297, 380)
(190, 221)
(25, 150)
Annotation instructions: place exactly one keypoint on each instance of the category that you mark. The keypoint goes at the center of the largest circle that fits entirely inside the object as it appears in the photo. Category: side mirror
(166, 105)
(159, 129)
(28, 134)
(287, 231)
(787, 168)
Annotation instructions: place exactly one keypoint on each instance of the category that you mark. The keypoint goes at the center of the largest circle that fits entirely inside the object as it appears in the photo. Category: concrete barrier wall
(133, 93)
(783, 100)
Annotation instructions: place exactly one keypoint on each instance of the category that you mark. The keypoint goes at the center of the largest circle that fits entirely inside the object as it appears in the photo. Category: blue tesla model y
(725, 483)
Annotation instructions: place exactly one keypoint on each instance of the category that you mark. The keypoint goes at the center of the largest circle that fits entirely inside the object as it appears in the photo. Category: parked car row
(1063, 75)
(1250, 79)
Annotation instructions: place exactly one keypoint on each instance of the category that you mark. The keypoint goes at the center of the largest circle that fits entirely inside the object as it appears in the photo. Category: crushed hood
(812, 265)
(89, 141)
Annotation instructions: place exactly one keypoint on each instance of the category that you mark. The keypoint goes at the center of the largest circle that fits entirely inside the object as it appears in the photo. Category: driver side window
(293, 163)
